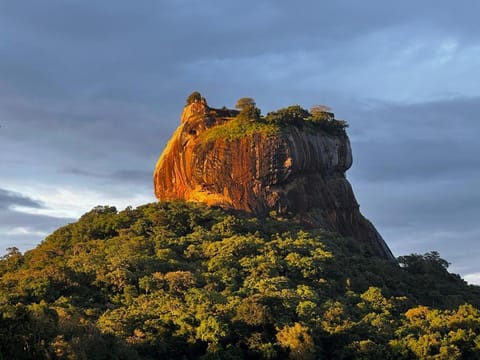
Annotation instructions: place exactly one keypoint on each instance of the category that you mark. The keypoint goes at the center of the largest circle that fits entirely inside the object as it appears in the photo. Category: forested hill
(176, 280)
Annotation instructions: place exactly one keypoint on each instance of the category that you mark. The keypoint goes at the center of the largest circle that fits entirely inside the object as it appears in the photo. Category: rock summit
(294, 169)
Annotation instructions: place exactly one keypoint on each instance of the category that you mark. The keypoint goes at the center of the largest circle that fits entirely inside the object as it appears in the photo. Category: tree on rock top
(248, 109)
(321, 113)
(245, 103)
(194, 97)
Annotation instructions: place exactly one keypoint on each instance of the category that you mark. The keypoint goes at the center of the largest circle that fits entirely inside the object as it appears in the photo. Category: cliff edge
(295, 169)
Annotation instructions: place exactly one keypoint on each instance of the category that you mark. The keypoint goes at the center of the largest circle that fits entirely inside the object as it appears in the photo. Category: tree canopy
(245, 103)
(194, 97)
(248, 109)
(180, 280)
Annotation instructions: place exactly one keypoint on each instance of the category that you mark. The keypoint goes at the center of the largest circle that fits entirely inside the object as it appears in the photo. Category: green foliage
(298, 341)
(238, 128)
(248, 109)
(249, 122)
(293, 114)
(318, 119)
(439, 334)
(245, 103)
(321, 114)
(331, 126)
(319, 109)
(181, 280)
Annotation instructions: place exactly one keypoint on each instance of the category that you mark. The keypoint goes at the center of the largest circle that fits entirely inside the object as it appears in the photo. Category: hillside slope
(179, 280)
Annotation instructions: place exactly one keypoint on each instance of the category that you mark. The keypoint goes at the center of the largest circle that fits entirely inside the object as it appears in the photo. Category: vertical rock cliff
(295, 171)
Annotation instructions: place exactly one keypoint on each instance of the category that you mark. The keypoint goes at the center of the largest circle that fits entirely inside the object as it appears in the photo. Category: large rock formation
(296, 172)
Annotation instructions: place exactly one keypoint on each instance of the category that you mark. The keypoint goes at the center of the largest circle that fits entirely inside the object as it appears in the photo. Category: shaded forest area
(177, 280)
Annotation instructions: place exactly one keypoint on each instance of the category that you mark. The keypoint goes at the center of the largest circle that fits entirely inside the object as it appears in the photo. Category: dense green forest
(176, 280)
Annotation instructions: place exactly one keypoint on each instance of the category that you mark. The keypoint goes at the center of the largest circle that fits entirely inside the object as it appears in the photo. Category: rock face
(295, 172)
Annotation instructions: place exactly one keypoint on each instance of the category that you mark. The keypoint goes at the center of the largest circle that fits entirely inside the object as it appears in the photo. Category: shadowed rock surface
(297, 172)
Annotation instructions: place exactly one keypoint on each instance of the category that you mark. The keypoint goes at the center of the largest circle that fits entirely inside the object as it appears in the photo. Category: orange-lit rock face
(295, 172)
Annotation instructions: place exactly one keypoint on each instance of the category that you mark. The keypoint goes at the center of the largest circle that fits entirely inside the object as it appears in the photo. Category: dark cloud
(38, 223)
(416, 175)
(426, 141)
(11, 198)
(141, 51)
(126, 175)
(20, 228)
(95, 139)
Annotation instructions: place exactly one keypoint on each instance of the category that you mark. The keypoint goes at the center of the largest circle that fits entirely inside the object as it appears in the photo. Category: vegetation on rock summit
(249, 121)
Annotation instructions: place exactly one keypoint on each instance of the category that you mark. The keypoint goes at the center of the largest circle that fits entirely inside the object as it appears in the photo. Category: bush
(293, 114)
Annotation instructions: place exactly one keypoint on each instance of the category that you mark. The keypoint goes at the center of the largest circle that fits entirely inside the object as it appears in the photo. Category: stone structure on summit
(295, 171)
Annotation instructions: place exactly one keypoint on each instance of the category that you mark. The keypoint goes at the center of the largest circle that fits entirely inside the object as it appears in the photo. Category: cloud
(431, 140)
(25, 220)
(25, 231)
(20, 225)
(140, 51)
(9, 199)
(61, 140)
(416, 174)
(473, 279)
(125, 175)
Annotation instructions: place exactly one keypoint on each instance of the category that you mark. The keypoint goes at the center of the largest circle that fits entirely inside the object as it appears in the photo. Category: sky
(90, 91)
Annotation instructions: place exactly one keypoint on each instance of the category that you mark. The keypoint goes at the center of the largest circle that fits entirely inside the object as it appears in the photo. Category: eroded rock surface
(295, 172)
